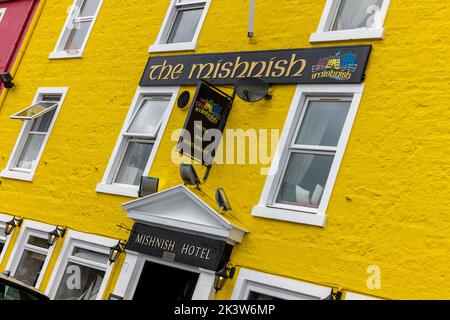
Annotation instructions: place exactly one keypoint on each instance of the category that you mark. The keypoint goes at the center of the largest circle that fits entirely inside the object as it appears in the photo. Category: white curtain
(354, 14)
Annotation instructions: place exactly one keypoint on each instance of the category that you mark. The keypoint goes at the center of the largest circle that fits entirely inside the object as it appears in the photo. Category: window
(4, 239)
(254, 285)
(138, 141)
(352, 19)
(310, 150)
(39, 119)
(87, 257)
(77, 28)
(30, 257)
(2, 13)
(181, 26)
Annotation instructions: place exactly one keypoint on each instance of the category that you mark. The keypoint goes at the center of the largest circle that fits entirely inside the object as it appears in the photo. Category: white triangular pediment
(180, 209)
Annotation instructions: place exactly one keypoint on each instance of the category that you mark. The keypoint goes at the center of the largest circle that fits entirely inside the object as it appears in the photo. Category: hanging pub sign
(205, 123)
(324, 65)
(179, 247)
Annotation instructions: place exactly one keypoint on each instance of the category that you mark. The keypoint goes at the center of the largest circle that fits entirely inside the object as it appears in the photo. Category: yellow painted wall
(390, 203)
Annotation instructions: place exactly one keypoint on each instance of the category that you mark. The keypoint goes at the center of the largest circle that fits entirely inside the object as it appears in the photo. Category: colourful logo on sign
(209, 109)
(339, 67)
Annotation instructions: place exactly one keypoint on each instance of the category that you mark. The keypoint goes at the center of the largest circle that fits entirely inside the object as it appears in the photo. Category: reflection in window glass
(304, 180)
(77, 35)
(90, 255)
(149, 117)
(30, 151)
(185, 25)
(323, 123)
(29, 267)
(89, 7)
(38, 242)
(134, 162)
(88, 286)
(355, 14)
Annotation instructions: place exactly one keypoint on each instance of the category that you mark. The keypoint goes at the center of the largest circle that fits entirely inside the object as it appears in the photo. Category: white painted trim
(132, 268)
(169, 47)
(106, 185)
(8, 172)
(276, 286)
(30, 228)
(222, 229)
(161, 46)
(2, 13)
(61, 54)
(358, 296)
(4, 218)
(323, 32)
(90, 241)
(266, 207)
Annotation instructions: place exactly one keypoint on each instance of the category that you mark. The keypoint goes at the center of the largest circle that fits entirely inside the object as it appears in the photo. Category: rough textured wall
(389, 206)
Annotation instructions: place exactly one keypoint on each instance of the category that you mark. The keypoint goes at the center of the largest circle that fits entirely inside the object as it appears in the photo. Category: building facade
(329, 183)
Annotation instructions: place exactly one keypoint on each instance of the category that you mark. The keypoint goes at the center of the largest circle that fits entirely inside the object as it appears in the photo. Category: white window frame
(6, 239)
(358, 296)
(10, 171)
(86, 241)
(324, 34)
(267, 208)
(2, 13)
(160, 45)
(36, 229)
(106, 185)
(276, 286)
(62, 54)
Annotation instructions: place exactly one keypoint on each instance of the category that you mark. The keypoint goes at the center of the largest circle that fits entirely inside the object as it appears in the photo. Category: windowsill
(9, 174)
(344, 35)
(288, 215)
(65, 55)
(184, 46)
(121, 190)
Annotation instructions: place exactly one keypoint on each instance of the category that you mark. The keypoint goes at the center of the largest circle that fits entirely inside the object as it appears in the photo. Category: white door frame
(132, 268)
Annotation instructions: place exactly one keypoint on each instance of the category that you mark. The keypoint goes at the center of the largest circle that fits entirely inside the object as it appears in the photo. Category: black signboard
(205, 123)
(179, 247)
(324, 65)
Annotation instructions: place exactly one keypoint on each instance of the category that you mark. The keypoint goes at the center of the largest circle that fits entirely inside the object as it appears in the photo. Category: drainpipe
(23, 47)
(251, 19)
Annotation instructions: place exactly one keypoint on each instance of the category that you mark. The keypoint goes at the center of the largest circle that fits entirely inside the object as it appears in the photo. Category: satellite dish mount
(252, 89)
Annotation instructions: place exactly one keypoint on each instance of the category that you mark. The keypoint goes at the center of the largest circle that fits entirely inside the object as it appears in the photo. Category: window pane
(77, 35)
(90, 255)
(304, 180)
(148, 118)
(323, 123)
(30, 151)
(2, 245)
(35, 110)
(38, 242)
(29, 267)
(260, 296)
(133, 163)
(42, 124)
(88, 8)
(354, 14)
(185, 25)
(88, 286)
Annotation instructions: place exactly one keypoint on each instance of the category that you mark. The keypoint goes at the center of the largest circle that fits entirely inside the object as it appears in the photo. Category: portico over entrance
(176, 235)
